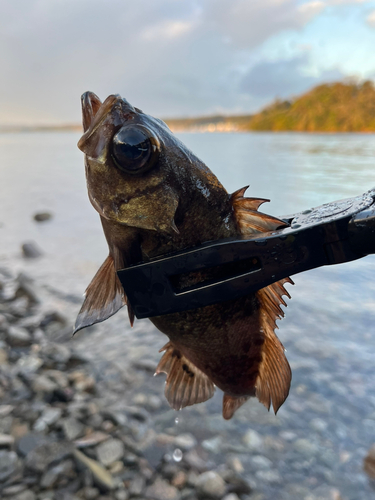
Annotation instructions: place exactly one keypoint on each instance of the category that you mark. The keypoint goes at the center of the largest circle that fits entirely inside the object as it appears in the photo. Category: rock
(6, 440)
(53, 354)
(18, 337)
(42, 216)
(137, 486)
(5, 410)
(91, 439)
(89, 493)
(369, 462)
(3, 357)
(49, 417)
(10, 491)
(30, 250)
(161, 490)
(185, 441)
(195, 461)
(24, 495)
(29, 364)
(268, 476)
(121, 494)
(259, 462)
(72, 428)
(179, 479)
(110, 451)
(8, 464)
(102, 478)
(19, 307)
(253, 440)
(43, 385)
(236, 483)
(213, 444)
(231, 496)
(29, 442)
(46, 454)
(54, 474)
(306, 447)
(210, 484)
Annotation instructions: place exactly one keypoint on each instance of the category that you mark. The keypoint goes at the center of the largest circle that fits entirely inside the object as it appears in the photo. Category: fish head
(130, 160)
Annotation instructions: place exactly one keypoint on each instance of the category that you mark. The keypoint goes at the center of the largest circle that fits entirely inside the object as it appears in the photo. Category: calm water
(329, 326)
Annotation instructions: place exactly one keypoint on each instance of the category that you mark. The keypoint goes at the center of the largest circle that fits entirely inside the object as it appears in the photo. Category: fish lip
(94, 113)
(90, 106)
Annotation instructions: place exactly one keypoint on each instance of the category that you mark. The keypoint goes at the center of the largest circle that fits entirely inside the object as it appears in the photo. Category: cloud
(166, 56)
(371, 19)
(283, 78)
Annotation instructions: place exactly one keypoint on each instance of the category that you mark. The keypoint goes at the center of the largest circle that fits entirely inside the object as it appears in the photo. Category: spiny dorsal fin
(231, 405)
(185, 385)
(275, 375)
(104, 297)
(248, 218)
(273, 382)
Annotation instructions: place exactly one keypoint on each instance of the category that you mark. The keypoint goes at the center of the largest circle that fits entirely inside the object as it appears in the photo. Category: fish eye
(134, 149)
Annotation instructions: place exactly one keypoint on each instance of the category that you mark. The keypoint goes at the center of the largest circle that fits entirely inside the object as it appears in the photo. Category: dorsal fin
(251, 221)
(273, 382)
(185, 385)
(103, 297)
(231, 405)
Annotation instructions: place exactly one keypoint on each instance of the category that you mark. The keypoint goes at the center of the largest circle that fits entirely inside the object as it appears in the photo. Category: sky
(176, 57)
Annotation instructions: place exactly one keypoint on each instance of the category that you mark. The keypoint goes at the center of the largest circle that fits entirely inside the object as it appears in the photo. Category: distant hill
(331, 107)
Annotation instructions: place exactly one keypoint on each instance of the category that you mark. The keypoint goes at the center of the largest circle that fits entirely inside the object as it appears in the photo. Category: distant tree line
(330, 107)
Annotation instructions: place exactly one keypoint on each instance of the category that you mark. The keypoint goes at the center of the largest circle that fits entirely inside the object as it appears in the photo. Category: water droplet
(177, 455)
(176, 420)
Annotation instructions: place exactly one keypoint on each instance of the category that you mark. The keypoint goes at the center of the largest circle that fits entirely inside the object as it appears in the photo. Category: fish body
(154, 196)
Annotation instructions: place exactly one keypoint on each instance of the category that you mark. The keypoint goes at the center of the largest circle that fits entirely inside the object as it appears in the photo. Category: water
(329, 326)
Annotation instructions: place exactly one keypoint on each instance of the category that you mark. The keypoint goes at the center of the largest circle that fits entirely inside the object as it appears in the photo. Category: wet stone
(161, 490)
(102, 478)
(210, 484)
(24, 495)
(236, 483)
(42, 216)
(29, 442)
(43, 385)
(49, 417)
(72, 428)
(8, 464)
(259, 462)
(109, 451)
(253, 440)
(137, 486)
(6, 440)
(18, 337)
(30, 250)
(185, 441)
(44, 455)
(13, 490)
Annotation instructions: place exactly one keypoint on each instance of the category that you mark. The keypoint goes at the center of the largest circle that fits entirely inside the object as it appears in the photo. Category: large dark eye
(134, 149)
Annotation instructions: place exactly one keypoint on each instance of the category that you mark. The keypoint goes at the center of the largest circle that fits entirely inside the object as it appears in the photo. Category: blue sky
(176, 57)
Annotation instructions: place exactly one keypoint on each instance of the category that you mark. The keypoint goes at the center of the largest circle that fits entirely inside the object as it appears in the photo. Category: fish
(155, 197)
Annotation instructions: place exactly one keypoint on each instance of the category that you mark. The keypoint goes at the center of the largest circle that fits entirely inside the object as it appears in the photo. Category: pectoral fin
(185, 385)
(104, 297)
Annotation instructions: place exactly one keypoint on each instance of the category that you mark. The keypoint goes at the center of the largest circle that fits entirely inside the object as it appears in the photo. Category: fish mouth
(93, 113)
(90, 106)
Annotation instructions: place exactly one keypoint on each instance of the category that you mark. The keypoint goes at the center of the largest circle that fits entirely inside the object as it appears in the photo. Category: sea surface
(316, 444)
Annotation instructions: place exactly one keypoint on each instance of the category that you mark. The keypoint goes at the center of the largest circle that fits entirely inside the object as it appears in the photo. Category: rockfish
(154, 197)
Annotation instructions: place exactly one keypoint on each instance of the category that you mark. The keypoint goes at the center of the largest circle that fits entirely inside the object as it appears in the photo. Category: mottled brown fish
(154, 196)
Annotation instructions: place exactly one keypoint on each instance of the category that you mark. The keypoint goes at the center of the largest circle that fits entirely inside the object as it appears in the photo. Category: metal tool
(329, 234)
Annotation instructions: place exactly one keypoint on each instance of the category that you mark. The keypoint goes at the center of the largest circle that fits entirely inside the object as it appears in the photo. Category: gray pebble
(44, 455)
(260, 462)
(253, 440)
(72, 428)
(109, 451)
(49, 417)
(42, 216)
(161, 490)
(8, 464)
(210, 484)
(18, 337)
(30, 250)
